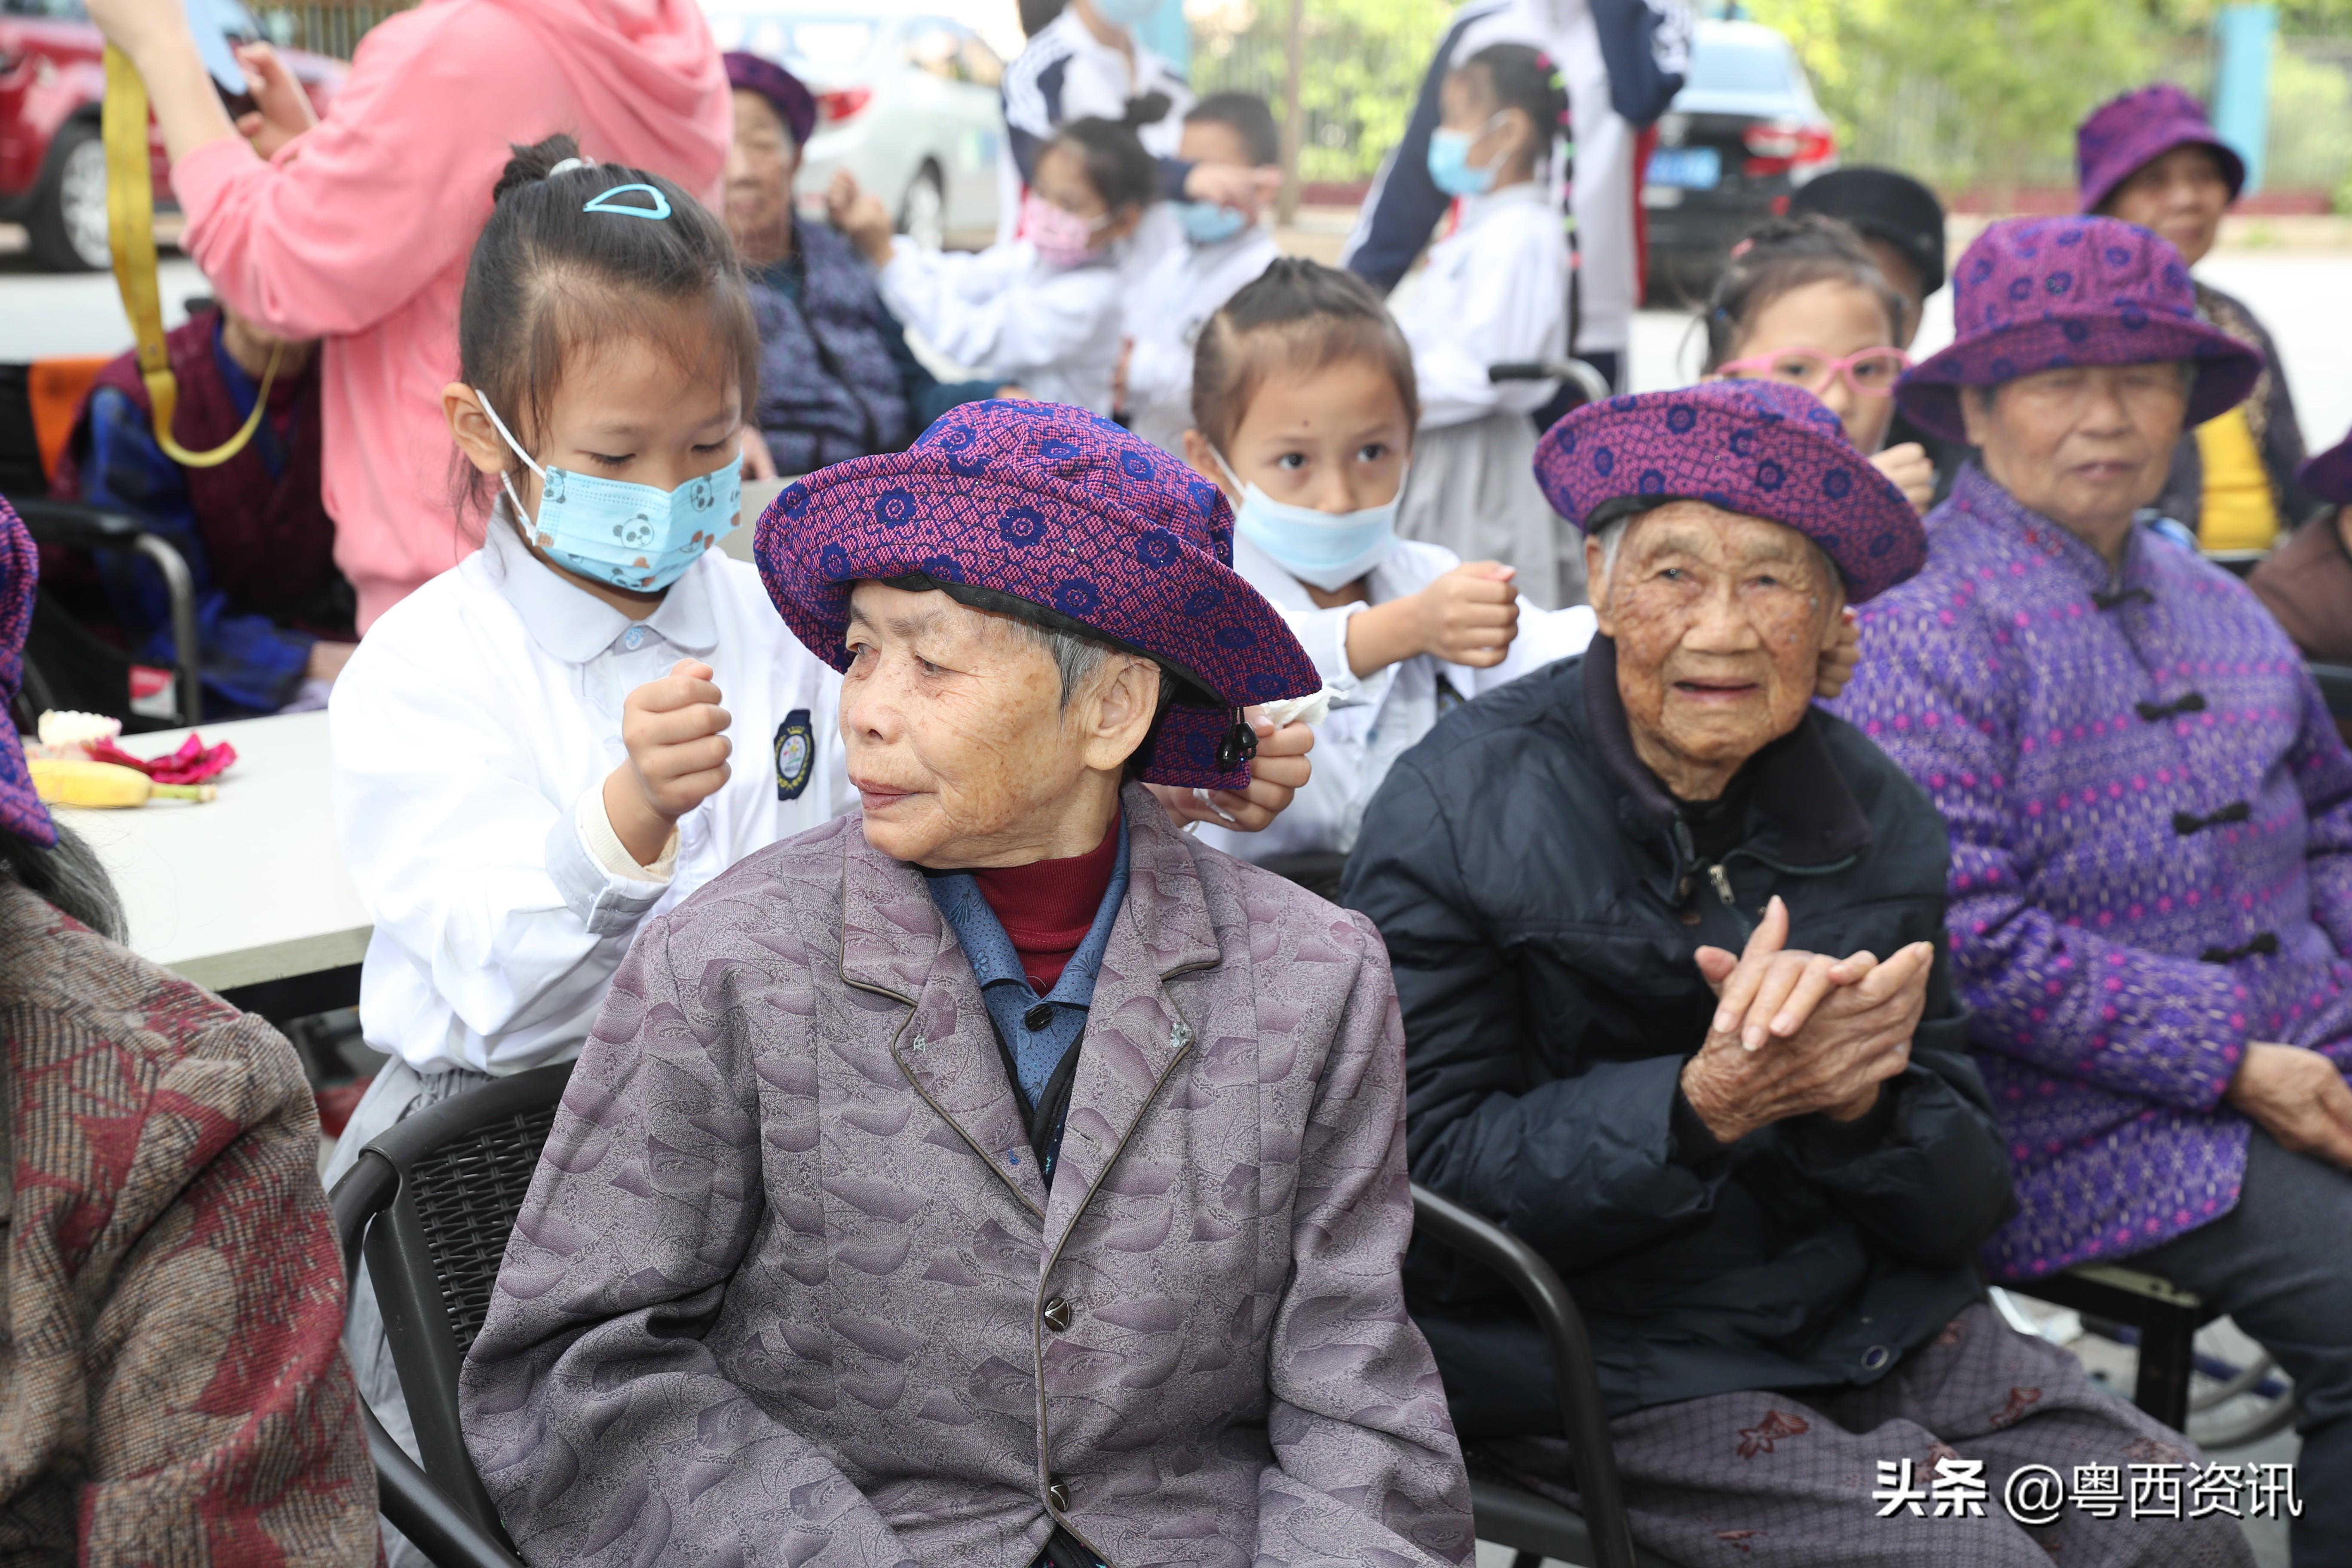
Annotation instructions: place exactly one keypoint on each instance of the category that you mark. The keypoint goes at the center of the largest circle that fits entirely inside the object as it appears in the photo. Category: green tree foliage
(1966, 92)
(1365, 59)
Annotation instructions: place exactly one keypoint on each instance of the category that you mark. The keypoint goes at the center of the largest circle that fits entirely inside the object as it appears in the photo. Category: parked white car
(906, 100)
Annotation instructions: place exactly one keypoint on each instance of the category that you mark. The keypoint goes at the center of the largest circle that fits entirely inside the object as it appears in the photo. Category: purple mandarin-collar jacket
(787, 1288)
(2151, 822)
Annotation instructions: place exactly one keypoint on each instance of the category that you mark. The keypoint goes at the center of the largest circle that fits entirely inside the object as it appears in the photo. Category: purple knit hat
(2329, 475)
(21, 811)
(785, 91)
(1078, 524)
(2125, 134)
(1758, 448)
(2032, 294)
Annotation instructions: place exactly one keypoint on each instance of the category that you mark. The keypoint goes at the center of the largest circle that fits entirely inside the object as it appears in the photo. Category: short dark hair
(1781, 255)
(1245, 114)
(70, 875)
(1121, 173)
(1518, 77)
(549, 279)
(1299, 314)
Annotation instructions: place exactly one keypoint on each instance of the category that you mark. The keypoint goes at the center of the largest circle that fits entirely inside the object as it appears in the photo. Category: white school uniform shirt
(1377, 717)
(1066, 73)
(1494, 291)
(1054, 330)
(472, 732)
(1165, 313)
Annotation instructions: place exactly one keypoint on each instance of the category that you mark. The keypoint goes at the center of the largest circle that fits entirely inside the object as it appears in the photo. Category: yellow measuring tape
(131, 235)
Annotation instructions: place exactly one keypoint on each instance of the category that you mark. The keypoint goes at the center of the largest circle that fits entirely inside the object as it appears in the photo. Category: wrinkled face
(2181, 196)
(761, 164)
(2085, 446)
(1720, 622)
(959, 743)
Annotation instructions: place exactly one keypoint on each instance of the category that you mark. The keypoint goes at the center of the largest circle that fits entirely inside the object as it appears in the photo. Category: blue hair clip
(603, 202)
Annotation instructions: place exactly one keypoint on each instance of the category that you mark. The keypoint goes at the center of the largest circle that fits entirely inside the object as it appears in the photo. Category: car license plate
(1688, 168)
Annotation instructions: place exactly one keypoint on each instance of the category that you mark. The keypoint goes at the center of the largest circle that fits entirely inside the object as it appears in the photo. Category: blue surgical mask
(1327, 549)
(1206, 223)
(1449, 161)
(633, 536)
(1126, 13)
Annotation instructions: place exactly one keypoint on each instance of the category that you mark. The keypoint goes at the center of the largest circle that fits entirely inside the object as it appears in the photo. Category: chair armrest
(1582, 1420)
(422, 1513)
(360, 1194)
(78, 525)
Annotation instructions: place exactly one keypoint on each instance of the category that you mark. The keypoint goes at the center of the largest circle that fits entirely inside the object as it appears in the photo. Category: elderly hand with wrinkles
(1795, 1033)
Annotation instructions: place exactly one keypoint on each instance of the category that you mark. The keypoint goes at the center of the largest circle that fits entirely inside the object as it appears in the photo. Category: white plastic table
(248, 889)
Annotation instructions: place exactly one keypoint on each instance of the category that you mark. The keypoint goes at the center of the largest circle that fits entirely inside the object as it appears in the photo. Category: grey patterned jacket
(787, 1288)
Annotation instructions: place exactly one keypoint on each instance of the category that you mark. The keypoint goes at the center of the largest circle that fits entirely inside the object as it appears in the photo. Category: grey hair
(1077, 659)
(70, 876)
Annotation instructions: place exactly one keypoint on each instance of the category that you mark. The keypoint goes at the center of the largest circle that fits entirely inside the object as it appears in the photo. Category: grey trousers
(1739, 1481)
(2279, 1264)
(398, 1090)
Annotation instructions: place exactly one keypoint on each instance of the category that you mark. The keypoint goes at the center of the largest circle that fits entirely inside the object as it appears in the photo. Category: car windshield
(816, 48)
(1738, 64)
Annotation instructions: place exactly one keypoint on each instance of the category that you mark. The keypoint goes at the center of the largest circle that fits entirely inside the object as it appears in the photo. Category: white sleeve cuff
(604, 847)
(601, 882)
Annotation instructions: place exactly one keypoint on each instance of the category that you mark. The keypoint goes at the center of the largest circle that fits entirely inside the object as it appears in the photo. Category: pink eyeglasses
(1871, 372)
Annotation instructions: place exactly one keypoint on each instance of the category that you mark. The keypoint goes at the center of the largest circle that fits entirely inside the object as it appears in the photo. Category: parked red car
(52, 165)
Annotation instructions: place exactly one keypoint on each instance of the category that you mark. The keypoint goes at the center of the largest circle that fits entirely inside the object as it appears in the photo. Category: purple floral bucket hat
(1758, 448)
(2329, 475)
(2126, 134)
(2032, 294)
(21, 811)
(1086, 526)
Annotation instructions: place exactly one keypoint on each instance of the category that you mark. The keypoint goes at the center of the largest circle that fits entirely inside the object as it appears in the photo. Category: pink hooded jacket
(359, 232)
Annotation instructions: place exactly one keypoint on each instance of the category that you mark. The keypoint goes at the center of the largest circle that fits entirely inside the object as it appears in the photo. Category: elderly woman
(171, 1388)
(2150, 157)
(1005, 1172)
(1765, 1178)
(2151, 818)
(836, 378)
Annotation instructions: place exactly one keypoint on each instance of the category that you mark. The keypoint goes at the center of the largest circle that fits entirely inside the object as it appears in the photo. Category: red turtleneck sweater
(1048, 906)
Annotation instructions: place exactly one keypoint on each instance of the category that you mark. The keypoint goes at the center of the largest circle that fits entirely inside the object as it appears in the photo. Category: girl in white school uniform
(1495, 292)
(1221, 250)
(595, 713)
(1042, 310)
(1304, 404)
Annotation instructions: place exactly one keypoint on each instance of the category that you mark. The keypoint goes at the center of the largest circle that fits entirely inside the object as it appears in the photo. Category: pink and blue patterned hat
(21, 811)
(1079, 524)
(1760, 448)
(2329, 475)
(2126, 134)
(2032, 294)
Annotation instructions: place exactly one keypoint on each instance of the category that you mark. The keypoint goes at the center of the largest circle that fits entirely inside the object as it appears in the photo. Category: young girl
(531, 752)
(1304, 404)
(1495, 292)
(1044, 310)
(1802, 301)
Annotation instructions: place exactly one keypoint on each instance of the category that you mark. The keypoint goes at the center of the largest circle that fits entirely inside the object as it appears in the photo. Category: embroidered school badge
(795, 755)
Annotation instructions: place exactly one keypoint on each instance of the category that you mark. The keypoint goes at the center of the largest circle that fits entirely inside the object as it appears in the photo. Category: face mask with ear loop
(1327, 549)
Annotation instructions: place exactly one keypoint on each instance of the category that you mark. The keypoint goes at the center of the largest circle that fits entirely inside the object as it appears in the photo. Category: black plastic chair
(1503, 1512)
(430, 1204)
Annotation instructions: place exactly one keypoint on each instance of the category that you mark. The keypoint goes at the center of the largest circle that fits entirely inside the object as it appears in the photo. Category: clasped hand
(1795, 1033)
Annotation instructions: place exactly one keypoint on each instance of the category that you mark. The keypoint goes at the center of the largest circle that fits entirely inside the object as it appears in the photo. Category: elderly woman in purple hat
(2150, 812)
(2150, 157)
(836, 378)
(1764, 1177)
(1001, 1177)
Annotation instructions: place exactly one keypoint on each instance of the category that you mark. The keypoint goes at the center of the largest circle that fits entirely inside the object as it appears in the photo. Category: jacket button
(1039, 1017)
(1876, 1357)
(1058, 1496)
(1056, 1314)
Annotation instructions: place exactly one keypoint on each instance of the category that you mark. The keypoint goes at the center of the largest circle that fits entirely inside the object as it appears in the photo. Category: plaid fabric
(1740, 1480)
(1757, 448)
(2135, 128)
(2032, 294)
(171, 1388)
